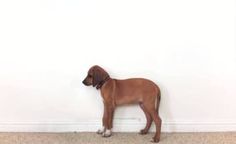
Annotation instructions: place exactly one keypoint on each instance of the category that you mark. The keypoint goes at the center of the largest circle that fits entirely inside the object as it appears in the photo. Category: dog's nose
(84, 82)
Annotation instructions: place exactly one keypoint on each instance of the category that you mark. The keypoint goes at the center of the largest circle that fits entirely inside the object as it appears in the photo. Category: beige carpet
(117, 138)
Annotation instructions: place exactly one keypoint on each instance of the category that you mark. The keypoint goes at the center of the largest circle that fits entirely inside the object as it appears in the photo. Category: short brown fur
(119, 92)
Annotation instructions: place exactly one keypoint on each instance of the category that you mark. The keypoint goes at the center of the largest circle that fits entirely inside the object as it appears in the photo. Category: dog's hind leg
(149, 120)
(158, 122)
(150, 107)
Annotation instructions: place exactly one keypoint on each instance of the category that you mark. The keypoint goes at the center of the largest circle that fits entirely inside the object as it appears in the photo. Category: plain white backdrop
(187, 47)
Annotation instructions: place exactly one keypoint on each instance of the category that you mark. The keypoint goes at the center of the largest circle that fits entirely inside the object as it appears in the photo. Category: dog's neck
(103, 82)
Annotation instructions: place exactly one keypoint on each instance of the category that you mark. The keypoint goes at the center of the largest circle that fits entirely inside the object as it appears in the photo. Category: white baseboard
(124, 126)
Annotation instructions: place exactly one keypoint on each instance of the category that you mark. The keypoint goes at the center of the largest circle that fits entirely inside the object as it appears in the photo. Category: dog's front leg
(104, 121)
(110, 113)
(107, 120)
(110, 117)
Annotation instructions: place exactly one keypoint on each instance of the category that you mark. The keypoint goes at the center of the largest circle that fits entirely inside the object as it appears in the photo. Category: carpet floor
(117, 138)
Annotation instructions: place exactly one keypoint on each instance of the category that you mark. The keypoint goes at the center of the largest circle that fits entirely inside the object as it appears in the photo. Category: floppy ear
(97, 77)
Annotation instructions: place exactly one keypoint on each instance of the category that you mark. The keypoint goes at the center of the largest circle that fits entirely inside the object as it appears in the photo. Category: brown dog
(117, 92)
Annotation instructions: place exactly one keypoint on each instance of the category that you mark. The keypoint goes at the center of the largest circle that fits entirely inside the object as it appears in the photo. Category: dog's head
(96, 77)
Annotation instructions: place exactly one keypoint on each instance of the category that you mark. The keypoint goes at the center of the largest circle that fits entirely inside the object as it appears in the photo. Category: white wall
(46, 48)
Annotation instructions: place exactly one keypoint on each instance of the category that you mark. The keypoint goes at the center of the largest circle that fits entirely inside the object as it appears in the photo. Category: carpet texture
(117, 138)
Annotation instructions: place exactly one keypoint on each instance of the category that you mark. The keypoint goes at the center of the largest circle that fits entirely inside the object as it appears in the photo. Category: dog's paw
(143, 132)
(101, 131)
(107, 133)
(155, 140)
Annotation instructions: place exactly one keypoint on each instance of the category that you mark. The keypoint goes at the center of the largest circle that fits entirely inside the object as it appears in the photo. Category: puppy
(129, 91)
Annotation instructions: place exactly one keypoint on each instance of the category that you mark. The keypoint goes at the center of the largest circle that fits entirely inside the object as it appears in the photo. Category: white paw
(107, 133)
(101, 130)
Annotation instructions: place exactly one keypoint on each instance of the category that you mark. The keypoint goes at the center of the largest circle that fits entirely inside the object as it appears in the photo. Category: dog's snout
(84, 82)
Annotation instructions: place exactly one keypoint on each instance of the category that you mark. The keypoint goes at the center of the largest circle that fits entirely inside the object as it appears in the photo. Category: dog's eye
(89, 76)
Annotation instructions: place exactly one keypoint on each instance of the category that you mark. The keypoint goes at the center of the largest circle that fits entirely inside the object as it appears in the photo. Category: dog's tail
(158, 100)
